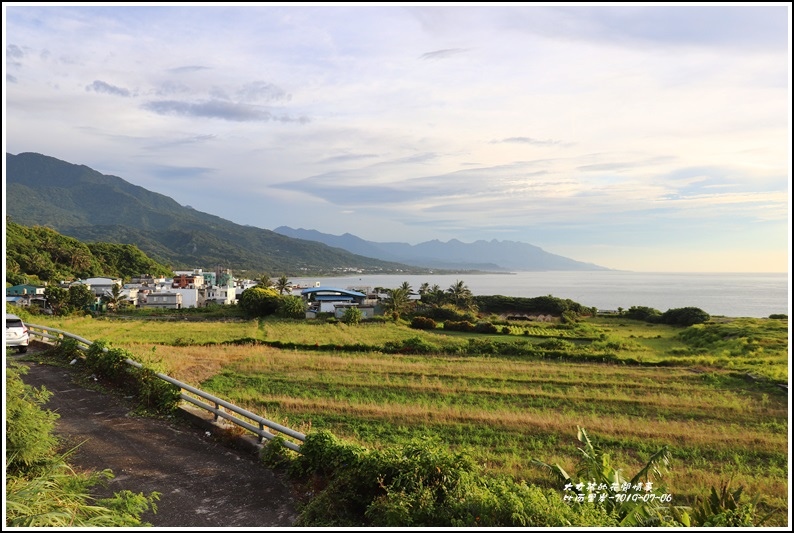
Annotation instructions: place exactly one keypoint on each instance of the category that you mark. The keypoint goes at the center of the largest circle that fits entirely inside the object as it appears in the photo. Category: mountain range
(503, 255)
(80, 202)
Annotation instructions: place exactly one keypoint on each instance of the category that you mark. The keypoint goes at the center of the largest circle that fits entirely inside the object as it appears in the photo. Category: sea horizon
(730, 294)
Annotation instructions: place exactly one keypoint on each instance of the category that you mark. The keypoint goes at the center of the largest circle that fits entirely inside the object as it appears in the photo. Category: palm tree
(460, 295)
(115, 299)
(397, 302)
(283, 284)
(264, 281)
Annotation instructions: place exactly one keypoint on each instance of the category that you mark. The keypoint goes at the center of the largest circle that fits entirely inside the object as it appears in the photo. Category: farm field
(505, 410)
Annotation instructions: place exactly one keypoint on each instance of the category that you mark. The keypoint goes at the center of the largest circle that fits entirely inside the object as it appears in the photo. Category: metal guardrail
(48, 334)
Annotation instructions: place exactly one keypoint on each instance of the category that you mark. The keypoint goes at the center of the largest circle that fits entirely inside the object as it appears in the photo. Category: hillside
(39, 254)
(502, 255)
(80, 202)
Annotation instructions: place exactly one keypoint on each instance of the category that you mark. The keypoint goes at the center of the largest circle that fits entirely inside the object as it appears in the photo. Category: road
(203, 482)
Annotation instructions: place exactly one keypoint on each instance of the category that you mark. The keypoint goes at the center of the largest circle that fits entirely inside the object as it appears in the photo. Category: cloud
(346, 157)
(442, 54)
(196, 139)
(528, 140)
(14, 52)
(257, 91)
(180, 173)
(186, 69)
(102, 87)
(232, 111)
(11, 79)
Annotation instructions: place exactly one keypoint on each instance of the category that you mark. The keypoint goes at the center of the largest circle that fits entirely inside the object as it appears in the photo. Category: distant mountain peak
(501, 255)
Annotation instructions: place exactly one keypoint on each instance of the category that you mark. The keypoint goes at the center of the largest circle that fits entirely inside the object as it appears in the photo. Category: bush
(446, 312)
(152, 393)
(412, 346)
(422, 484)
(352, 316)
(29, 429)
(421, 322)
(258, 301)
(42, 490)
(464, 325)
(292, 307)
(684, 316)
(646, 314)
(485, 327)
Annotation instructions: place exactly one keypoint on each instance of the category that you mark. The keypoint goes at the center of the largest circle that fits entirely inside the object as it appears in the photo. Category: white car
(17, 333)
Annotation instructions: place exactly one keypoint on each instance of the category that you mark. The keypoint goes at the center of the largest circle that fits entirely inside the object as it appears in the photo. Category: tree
(115, 299)
(397, 302)
(81, 297)
(283, 284)
(685, 316)
(292, 306)
(257, 301)
(264, 281)
(57, 299)
(460, 295)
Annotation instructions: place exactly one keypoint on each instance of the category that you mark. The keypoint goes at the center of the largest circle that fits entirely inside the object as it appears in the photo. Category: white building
(162, 300)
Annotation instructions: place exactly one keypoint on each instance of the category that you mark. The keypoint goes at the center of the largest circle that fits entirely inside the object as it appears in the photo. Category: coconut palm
(397, 302)
(460, 295)
(283, 284)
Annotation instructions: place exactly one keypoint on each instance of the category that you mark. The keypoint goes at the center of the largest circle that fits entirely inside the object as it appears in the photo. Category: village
(198, 288)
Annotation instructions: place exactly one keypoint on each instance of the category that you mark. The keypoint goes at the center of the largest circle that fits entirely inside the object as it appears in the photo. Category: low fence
(220, 408)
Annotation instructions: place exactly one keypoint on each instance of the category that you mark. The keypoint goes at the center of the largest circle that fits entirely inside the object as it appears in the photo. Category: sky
(644, 137)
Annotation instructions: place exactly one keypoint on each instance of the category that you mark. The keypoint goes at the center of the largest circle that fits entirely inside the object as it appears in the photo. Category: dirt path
(203, 483)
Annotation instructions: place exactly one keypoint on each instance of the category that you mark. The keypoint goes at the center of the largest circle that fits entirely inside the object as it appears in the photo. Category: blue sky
(638, 137)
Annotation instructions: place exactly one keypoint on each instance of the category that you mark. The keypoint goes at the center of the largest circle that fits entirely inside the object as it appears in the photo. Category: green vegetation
(39, 254)
(42, 490)
(508, 397)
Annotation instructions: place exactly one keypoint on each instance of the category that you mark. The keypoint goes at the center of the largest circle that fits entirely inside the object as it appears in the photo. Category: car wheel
(22, 349)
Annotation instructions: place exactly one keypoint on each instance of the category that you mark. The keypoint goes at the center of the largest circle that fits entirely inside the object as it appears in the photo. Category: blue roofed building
(333, 300)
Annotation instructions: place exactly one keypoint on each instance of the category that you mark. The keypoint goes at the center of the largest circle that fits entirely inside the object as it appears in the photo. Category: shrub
(684, 316)
(152, 393)
(414, 345)
(352, 316)
(422, 484)
(292, 307)
(485, 327)
(422, 322)
(446, 312)
(258, 301)
(42, 490)
(458, 326)
(29, 429)
(647, 314)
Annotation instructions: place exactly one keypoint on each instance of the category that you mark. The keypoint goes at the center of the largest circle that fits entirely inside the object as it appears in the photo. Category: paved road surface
(203, 483)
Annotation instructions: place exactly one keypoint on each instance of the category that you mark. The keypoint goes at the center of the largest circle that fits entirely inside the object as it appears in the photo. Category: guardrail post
(261, 439)
(217, 408)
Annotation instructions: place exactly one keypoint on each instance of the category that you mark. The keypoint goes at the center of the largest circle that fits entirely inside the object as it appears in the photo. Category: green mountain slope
(80, 202)
(39, 254)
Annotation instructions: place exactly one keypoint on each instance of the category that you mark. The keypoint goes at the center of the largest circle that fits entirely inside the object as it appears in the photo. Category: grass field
(507, 410)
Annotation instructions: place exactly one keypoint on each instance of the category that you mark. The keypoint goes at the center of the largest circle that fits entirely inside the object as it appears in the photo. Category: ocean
(719, 294)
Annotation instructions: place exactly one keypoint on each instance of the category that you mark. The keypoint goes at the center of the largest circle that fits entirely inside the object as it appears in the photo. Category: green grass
(507, 410)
